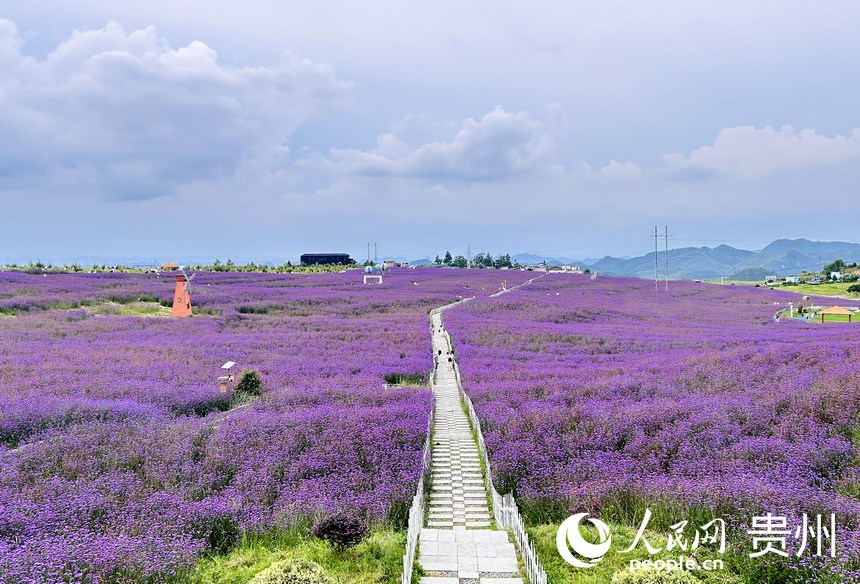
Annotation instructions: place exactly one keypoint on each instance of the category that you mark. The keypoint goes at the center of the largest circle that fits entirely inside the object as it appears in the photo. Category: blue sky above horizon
(266, 129)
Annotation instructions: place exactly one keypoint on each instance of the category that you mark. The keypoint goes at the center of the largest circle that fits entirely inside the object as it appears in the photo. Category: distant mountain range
(782, 257)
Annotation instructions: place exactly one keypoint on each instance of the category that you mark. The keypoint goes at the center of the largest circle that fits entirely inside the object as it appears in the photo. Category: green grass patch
(406, 378)
(143, 308)
(377, 560)
(827, 289)
(838, 318)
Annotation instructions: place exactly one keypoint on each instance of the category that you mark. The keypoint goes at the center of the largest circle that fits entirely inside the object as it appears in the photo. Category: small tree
(484, 260)
(341, 529)
(249, 384)
(448, 259)
(836, 266)
(438, 261)
(503, 261)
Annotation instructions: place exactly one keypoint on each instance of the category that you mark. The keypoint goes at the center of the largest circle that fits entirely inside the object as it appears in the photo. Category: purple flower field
(601, 396)
(120, 459)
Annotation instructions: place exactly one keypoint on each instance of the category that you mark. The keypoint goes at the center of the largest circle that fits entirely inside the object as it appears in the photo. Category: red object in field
(181, 298)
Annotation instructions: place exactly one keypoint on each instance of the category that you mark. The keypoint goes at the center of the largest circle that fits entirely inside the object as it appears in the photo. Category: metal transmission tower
(656, 261)
(375, 253)
(657, 258)
(468, 256)
(667, 257)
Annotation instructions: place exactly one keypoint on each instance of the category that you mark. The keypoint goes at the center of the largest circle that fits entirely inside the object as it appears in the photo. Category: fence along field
(121, 460)
(601, 396)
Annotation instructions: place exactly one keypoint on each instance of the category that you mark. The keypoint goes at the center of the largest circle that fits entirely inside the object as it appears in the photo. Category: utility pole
(667, 257)
(375, 254)
(468, 256)
(368, 252)
(656, 262)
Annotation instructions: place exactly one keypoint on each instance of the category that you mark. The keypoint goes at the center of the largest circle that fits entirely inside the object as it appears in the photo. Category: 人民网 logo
(770, 535)
(569, 537)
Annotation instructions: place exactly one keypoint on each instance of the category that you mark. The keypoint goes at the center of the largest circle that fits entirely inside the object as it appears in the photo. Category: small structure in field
(182, 296)
(836, 310)
(316, 259)
(223, 380)
(169, 267)
(370, 273)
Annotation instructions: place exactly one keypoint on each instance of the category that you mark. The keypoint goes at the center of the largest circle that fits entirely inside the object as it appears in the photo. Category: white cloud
(124, 115)
(751, 152)
(615, 170)
(498, 146)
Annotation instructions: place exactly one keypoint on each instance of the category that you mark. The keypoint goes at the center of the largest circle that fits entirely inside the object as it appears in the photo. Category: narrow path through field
(457, 545)
(512, 288)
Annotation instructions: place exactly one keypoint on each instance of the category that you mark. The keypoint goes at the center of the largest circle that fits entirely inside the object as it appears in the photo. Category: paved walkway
(458, 546)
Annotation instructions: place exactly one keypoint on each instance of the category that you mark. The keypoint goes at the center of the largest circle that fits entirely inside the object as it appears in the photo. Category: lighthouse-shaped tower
(181, 297)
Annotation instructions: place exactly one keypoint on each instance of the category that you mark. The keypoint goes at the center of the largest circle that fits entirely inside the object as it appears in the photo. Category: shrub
(293, 571)
(249, 384)
(405, 378)
(219, 531)
(341, 529)
(653, 576)
(854, 288)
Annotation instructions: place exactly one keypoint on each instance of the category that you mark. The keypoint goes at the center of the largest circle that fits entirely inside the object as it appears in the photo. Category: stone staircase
(457, 546)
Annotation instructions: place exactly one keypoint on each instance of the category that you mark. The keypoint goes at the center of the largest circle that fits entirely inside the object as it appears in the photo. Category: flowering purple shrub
(120, 460)
(601, 396)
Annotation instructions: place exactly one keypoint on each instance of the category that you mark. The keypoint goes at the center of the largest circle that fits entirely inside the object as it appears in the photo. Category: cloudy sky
(266, 128)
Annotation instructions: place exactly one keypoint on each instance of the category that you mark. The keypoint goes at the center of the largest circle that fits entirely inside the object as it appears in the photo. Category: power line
(726, 240)
(852, 224)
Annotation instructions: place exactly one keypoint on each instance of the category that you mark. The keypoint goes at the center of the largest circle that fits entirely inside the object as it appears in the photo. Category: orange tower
(181, 298)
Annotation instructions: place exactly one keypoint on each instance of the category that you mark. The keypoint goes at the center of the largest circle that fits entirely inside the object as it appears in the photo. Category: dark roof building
(313, 259)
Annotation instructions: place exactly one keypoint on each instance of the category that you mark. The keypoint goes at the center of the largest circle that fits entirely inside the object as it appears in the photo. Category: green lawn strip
(377, 560)
(826, 289)
(838, 318)
(785, 313)
(560, 572)
(130, 309)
